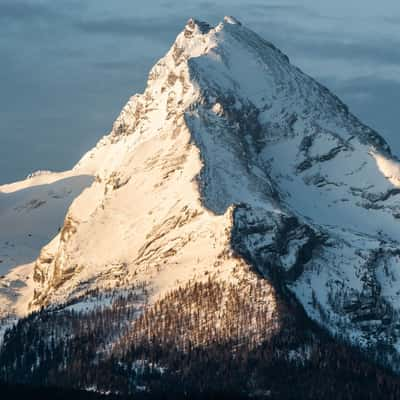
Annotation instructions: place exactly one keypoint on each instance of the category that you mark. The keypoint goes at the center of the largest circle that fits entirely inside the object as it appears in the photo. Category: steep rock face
(234, 161)
(276, 244)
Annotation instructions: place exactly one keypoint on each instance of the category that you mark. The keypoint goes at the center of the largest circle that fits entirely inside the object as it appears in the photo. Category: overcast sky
(68, 66)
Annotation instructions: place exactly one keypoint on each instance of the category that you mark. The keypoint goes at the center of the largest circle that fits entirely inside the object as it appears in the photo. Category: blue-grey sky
(68, 66)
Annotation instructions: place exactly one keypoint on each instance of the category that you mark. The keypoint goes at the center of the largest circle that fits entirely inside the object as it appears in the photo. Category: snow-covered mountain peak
(234, 161)
(194, 26)
(233, 60)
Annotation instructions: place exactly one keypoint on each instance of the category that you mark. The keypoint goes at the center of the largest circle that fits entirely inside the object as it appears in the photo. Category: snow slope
(31, 213)
(233, 160)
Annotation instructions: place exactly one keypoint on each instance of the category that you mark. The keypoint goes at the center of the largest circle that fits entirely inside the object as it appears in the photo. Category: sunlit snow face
(67, 67)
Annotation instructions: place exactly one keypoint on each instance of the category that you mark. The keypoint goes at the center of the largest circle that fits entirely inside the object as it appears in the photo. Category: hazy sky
(68, 66)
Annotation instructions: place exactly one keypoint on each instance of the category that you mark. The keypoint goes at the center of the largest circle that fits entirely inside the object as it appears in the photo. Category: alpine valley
(236, 234)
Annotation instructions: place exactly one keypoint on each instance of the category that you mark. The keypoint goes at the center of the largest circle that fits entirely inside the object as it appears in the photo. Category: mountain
(236, 205)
